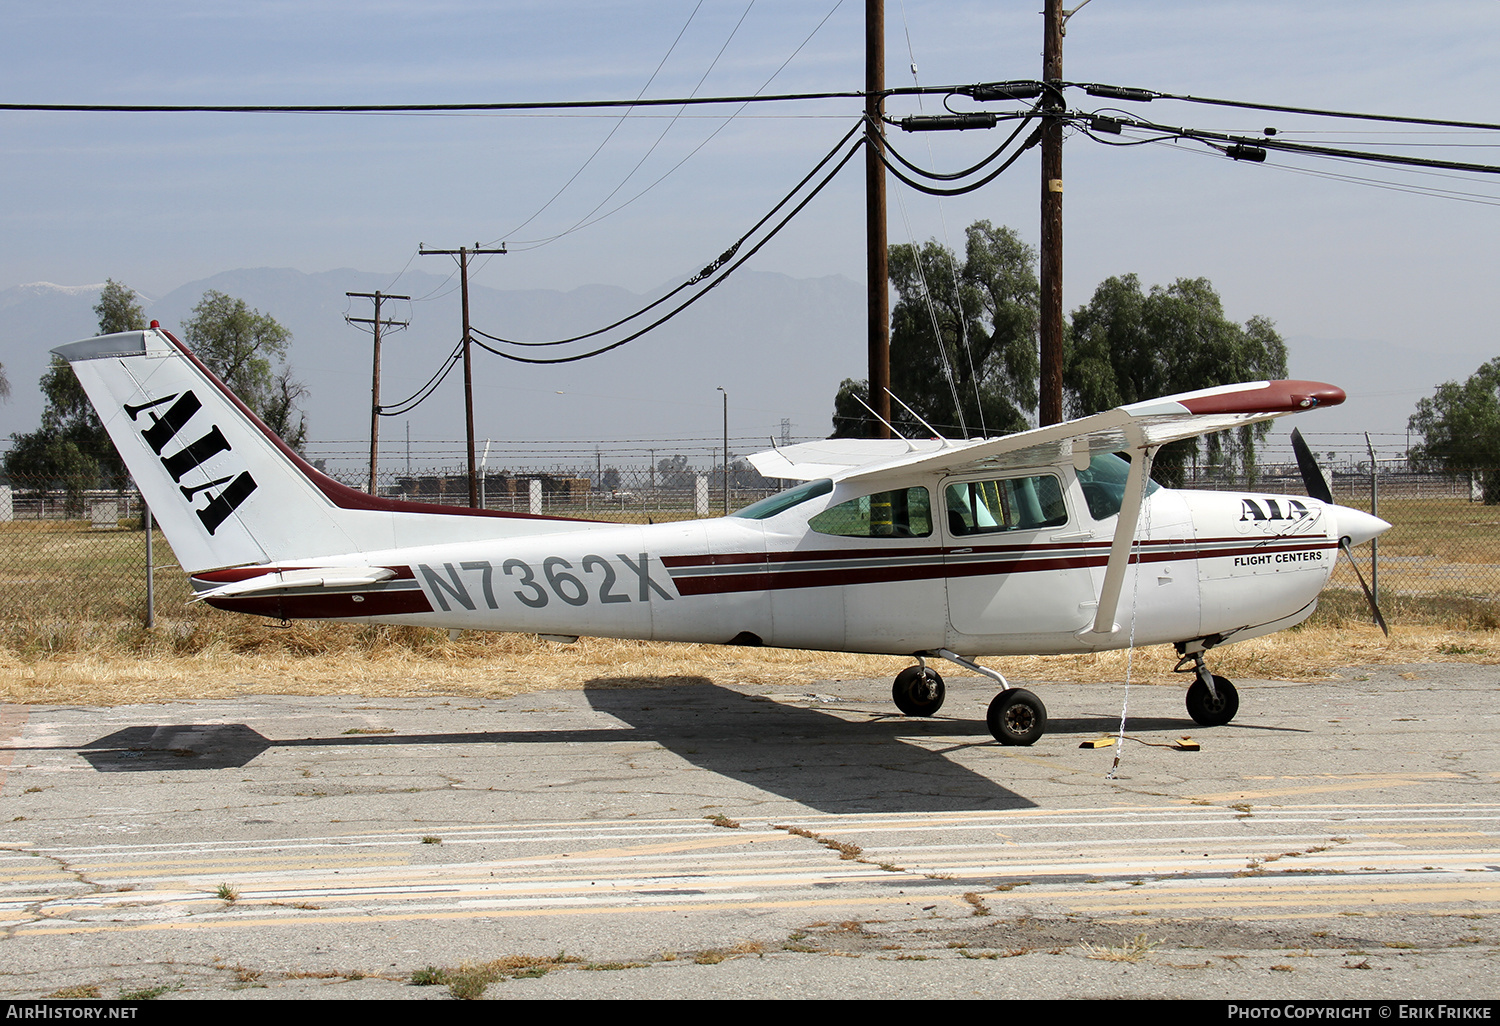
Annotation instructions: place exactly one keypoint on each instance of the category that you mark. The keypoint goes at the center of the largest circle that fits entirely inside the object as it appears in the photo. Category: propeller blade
(1312, 474)
(1369, 595)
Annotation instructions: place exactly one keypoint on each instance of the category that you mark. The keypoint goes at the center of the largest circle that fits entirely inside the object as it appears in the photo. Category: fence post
(1374, 512)
(150, 571)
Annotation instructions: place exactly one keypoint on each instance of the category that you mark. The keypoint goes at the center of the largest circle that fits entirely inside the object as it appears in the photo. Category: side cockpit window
(1103, 484)
(906, 513)
(1010, 504)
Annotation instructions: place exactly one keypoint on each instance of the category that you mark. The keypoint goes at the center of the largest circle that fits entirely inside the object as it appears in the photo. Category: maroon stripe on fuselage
(963, 564)
(811, 555)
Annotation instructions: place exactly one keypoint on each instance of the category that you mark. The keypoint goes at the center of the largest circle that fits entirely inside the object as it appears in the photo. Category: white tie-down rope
(1142, 532)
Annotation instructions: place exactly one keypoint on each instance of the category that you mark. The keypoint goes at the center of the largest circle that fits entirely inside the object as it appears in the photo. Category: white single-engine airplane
(1041, 542)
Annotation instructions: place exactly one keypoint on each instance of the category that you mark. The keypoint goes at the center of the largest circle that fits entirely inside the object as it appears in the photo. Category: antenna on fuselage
(887, 423)
(935, 432)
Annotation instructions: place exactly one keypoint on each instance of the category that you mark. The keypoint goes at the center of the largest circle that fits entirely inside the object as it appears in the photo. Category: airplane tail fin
(224, 488)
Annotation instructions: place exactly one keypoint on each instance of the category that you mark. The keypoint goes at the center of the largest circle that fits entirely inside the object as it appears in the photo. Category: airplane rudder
(215, 481)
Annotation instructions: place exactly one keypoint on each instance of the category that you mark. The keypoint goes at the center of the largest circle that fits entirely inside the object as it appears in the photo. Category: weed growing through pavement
(1133, 950)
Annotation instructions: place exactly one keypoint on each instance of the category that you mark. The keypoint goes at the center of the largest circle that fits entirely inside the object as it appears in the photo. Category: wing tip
(1288, 396)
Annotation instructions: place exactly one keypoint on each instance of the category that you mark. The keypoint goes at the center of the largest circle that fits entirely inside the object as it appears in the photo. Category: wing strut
(1119, 550)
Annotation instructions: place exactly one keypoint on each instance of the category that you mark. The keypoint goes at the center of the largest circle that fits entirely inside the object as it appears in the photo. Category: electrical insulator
(1119, 92)
(1004, 91)
(946, 122)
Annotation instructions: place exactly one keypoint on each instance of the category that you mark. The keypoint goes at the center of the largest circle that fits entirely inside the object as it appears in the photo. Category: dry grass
(1133, 950)
(65, 639)
(217, 655)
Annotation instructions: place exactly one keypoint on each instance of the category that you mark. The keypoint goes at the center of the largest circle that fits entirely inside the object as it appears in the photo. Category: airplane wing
(1140, 425)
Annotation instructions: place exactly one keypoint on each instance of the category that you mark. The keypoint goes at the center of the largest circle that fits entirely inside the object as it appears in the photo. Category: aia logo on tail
(164, 428)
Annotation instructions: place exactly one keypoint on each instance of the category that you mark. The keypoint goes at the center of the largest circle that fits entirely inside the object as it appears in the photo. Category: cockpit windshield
(1104, 484)
(782, 501)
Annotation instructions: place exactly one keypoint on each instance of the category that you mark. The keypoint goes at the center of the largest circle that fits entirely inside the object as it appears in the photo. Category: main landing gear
(1016, 716)
(1211, 700)
(918, 691)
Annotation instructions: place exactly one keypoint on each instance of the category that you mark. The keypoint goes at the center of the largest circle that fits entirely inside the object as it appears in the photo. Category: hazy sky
(157, 200)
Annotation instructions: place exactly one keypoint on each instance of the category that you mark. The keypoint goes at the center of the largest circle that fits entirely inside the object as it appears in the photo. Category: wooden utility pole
(877, 270)
(1052, 196)
(376, 324)
(463, 253)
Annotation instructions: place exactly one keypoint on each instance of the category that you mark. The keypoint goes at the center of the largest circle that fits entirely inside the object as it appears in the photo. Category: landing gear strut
(1016, 716)
(1211, 701)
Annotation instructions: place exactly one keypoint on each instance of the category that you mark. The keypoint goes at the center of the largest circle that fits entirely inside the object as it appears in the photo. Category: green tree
(1460, 429)
(244, 348)
(1126, 346)
(117, 309)
(71, 447)
(963, 338)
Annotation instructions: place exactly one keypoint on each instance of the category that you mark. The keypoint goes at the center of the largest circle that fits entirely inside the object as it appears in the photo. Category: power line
(961, 190)
(416, 108)
(706, 272)
(589, 221)
(1243, 147)
(695, 297)
(416, 399)
(582, 167)
(1146, 95)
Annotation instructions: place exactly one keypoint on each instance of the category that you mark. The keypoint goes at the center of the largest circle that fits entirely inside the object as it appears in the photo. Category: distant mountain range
(778, 345)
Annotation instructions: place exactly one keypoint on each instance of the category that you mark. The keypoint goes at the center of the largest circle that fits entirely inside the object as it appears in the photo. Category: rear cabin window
(783, 501)
(1010, 504)
(906, 513)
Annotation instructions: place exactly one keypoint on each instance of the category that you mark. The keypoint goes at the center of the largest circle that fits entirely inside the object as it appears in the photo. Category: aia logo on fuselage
(164, 427)
(1268, 509)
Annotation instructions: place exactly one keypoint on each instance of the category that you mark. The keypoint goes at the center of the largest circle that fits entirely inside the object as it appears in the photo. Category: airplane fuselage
(849, 570)
(1042, 542)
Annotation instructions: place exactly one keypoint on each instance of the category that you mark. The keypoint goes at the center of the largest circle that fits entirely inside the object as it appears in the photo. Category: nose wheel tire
(1017, 717)
(918, 691)
(1209, 709)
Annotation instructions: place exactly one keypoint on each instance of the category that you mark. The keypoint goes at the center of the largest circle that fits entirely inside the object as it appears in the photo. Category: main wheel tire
(1209, 709)
(918, 691)
(1017, 717)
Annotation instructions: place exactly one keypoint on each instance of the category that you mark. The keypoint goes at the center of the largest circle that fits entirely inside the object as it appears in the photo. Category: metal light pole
(726, 450)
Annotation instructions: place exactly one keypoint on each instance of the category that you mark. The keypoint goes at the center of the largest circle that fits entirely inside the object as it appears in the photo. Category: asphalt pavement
(713, 839)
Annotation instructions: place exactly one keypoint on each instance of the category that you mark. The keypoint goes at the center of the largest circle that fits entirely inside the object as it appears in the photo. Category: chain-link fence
(74, 551)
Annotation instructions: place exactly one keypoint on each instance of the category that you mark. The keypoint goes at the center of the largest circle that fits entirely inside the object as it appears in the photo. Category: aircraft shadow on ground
(813, 756)
(837, 764)
(817, 758)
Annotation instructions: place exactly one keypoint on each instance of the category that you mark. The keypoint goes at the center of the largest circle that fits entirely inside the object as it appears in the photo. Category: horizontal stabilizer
(299, 579)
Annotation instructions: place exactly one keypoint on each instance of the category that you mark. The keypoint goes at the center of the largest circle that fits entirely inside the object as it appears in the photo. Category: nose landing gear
(1017, 717)
(1211, 700)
